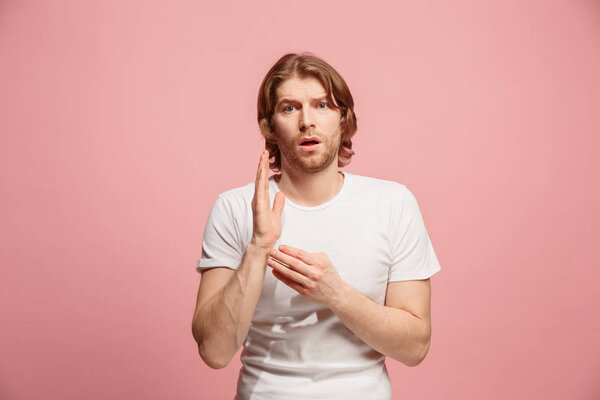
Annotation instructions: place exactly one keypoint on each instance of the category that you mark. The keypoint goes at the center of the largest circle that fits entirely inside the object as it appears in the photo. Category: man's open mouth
(309, 141)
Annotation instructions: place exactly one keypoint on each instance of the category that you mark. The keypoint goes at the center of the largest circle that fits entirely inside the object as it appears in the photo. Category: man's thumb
(278, 203)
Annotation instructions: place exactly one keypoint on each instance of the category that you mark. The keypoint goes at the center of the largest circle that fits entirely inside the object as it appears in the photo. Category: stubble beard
(310, 162)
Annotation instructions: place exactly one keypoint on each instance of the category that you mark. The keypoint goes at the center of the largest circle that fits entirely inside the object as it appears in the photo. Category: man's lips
(310, 146)
(311, 140)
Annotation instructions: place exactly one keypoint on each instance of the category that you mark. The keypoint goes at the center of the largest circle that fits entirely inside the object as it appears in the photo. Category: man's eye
(288, 108)
(324, 105)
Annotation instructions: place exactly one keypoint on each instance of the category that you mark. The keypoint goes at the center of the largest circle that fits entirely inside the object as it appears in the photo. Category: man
(349, 256)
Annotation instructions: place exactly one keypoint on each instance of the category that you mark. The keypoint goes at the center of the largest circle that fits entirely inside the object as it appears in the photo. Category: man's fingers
(293, 262)
(297, 253)
(294, 285)
(259, 168)
(288, 272)
(258, 184)
(265, 177)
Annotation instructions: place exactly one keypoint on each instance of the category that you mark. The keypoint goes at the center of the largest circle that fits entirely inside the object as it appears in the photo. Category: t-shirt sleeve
(220, 244)
(413, 256)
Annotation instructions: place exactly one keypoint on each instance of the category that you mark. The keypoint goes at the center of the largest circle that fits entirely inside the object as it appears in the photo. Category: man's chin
(309, 162)
(311, 165)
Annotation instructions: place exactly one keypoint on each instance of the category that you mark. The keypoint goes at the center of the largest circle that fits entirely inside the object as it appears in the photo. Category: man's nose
(306, 119)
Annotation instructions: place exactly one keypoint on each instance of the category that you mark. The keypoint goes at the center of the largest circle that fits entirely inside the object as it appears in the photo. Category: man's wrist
(258, 250)
(341, 297)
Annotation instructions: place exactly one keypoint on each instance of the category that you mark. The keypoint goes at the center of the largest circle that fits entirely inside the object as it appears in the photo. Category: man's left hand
(310, 274)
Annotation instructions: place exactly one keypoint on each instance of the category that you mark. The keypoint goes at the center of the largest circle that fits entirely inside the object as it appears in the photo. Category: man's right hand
(267, 222)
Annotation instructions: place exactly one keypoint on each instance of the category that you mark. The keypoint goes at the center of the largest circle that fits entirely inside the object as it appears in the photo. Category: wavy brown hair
(304, 65)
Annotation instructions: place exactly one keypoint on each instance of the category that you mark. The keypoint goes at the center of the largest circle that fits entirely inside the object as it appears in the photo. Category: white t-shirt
(373, 233)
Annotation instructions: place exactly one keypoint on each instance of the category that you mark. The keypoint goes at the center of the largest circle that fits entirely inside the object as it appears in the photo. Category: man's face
(302, 111)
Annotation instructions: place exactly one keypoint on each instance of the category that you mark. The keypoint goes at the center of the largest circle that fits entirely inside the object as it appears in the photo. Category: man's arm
(400, 329)
(226, 302)
(227, 298)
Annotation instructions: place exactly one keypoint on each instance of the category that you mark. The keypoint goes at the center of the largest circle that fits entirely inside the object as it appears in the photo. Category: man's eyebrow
(290, 100)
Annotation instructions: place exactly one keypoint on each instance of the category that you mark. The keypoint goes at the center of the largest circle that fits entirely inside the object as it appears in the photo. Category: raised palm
(266, 222)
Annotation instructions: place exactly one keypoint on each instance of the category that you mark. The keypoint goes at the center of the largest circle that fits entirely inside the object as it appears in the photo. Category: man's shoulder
(382, 192)
(239, 194)
(377, 186)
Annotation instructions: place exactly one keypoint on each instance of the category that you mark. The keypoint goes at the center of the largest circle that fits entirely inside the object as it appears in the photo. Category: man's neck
(310, 189)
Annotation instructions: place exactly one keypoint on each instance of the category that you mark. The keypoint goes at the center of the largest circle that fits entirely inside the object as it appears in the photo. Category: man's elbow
(214, 361)
(210, 357)
(419, 355)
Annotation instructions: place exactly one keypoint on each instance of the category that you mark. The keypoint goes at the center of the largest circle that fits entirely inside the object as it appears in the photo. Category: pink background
(122, 121)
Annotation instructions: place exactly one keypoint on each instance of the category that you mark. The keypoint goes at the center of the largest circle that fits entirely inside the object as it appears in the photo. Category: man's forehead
(296, 86)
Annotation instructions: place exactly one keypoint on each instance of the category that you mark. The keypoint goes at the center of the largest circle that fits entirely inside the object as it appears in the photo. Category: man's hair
(305, 65)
